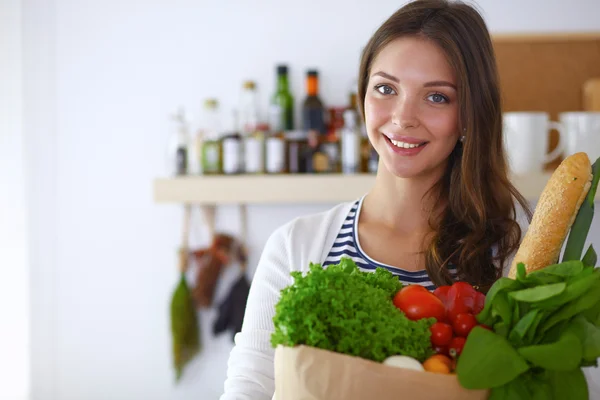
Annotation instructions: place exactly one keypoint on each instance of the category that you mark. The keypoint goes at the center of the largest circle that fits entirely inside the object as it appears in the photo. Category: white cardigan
(291, 247)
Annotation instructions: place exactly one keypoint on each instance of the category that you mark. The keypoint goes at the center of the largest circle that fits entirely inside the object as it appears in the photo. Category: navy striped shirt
(347, 245)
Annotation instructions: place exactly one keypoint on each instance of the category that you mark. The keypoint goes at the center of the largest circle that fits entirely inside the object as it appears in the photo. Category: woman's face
(411, 109)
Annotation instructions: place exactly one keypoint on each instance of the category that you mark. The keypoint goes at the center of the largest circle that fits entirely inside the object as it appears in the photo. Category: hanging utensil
(231, 311)
(185, 329)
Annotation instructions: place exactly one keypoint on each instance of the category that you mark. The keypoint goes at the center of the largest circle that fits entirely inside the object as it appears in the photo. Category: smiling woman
(442, 207)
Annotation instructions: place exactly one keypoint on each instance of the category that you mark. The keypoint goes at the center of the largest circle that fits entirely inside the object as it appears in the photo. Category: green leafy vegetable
(562, 355)
(590, 258)
(568, 385)
(488, 361)
(583, 220)
(546, 325)
(589, 336)
(348, 311)
(539, 293)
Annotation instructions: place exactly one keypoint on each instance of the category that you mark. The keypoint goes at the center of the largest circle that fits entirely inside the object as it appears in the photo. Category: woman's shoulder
(321, 221)
(306, 238)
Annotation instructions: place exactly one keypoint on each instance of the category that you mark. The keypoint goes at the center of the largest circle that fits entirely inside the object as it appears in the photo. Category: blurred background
(91, 210)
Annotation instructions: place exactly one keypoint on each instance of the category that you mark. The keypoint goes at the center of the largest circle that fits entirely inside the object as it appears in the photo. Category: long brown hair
(480, 213)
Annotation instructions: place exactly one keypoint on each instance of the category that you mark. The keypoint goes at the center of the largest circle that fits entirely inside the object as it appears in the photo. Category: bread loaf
(554, 214)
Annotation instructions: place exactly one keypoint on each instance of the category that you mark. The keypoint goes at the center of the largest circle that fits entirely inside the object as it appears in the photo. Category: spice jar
(232, 154)
(254, 150)
(275, 154)
(297, 152)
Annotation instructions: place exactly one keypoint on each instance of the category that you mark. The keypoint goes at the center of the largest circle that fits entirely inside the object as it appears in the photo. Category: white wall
(14, 285)
(107, 74)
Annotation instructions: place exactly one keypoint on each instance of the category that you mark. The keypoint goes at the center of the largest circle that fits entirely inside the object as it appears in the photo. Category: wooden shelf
(289, 189)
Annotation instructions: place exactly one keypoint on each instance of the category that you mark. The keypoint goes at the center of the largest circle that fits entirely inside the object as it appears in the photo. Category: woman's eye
(384, 89)
(438, 98)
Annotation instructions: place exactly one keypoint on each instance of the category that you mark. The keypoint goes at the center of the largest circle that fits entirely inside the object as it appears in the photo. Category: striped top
(347, 245)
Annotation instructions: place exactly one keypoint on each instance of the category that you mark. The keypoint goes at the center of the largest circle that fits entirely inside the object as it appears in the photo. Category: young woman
(442, 207)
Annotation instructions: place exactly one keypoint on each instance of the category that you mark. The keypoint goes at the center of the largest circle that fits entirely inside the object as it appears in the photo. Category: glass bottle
(313, 112)
(350, 141)
(254, 150)
(275, 153)
(281, 112)
(177, 157)
(248, 109)
(212, 154)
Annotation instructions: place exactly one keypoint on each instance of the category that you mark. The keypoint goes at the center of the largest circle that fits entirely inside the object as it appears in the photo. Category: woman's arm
(250, 372)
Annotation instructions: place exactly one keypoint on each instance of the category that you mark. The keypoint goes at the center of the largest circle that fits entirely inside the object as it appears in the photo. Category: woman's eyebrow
(440, 83)
(428, 84)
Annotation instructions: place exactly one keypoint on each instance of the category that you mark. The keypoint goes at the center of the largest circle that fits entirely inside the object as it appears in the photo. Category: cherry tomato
(463, 323)
(441, 334)
(479, 303)
(438, 363)
(456, 346)
(441, 350)
(442, 293)
(461, 299)
(417, 302)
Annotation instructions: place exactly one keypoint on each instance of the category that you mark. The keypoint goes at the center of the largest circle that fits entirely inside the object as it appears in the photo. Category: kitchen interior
(155, 128)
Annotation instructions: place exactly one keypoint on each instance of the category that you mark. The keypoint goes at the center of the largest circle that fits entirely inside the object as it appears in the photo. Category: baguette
(554, 214)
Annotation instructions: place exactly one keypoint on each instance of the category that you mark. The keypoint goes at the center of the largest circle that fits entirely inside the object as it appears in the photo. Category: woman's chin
(410, 170)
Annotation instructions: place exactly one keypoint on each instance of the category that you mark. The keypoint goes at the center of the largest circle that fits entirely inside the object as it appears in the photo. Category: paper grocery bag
(308, 373)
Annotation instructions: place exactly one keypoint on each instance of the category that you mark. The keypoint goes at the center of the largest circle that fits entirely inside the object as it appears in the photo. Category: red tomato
(442, 293)
(461, 299)
(479, 303)
(441, 334)
(417, 302)
(441, 350)
(463, 323)
(456, 346)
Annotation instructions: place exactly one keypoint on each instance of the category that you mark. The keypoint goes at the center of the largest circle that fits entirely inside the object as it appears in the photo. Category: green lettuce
(348, 311)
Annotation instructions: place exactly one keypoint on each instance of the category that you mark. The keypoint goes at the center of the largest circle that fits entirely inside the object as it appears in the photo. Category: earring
(462, 138)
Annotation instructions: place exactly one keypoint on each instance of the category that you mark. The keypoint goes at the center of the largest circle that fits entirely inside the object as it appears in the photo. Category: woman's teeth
(405, 145)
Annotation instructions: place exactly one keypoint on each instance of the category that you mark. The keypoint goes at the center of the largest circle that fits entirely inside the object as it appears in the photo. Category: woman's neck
(402, 205)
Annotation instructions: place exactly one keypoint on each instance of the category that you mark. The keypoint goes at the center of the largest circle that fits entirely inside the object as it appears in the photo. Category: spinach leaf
(532, 331)
(583, 220)
(565, 268)
(521, 328)
(539, 293)
(501, 285)
(592, 314)
(488, 361)
(521, 272)
(590, 258)
(501, 329)
(582, 303)
(540, 387)
(562, 355)
(515, 389)
(589, 336)
(502, 308)
(539, 277)
(576, 286)
(568, 385)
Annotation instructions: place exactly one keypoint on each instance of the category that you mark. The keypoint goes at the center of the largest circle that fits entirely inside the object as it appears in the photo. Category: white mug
(526, 141)
(582, 130)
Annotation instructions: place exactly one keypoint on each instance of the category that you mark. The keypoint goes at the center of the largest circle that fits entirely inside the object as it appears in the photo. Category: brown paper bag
(308, 373)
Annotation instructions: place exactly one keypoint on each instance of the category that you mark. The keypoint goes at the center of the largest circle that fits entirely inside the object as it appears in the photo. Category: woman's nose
(404, 114)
